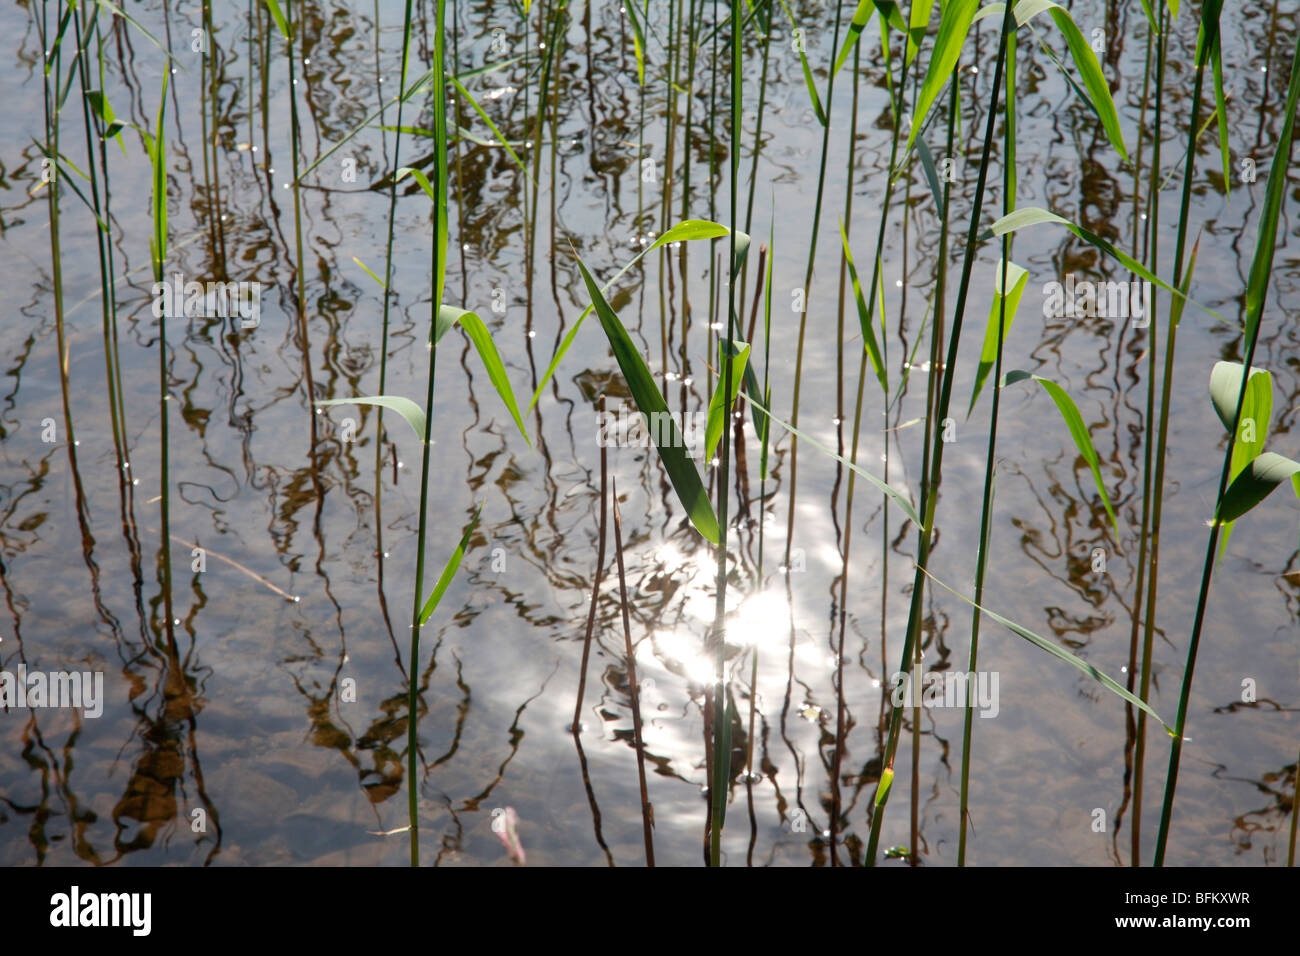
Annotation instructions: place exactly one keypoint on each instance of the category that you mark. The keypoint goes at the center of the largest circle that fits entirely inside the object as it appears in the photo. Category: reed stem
(925, 534)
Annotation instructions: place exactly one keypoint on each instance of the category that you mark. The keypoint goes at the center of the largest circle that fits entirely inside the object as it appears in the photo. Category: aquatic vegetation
(539, 163)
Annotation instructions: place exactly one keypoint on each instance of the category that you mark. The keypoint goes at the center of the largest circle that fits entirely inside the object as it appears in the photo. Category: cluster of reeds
(682, 49)
(1248, 473)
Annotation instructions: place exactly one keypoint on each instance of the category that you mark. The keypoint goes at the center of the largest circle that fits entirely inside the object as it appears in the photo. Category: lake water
(273, 729)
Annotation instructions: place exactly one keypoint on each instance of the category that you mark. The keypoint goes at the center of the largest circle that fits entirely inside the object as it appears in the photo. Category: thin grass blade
(869, 340)
(896, 496)
(482, 338)
(1078, 431)
(1058, 652)
(449, 572)
(1017, 277)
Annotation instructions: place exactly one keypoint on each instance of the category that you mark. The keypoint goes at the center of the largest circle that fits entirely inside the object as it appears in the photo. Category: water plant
(626, 154)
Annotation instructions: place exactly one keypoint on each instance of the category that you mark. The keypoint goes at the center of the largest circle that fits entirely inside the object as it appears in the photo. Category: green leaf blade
(449, 572)
(807, 73)
(482, 338)
(1033, 215)
(650, 402)
(278, 15)
(1058, 652)
(1255, 483)
(893, 493)
(861, 17)
(1017, 277)
(869, 340)
(411, 413)
(717, 411)
(685, 231)
(1085, 60)
(1078, 431)
(954, 26)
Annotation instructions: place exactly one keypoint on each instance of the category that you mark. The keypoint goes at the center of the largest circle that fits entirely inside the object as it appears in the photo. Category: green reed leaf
(449, 572)
(882, 791)
(1255, 483)
(414, 88)
(954, 26)
(1033, 215)
(650, 402)
(381, 282)
(112, 9)
(869, 340)
(931, 176)
(1017, 278)
(807, 72)
(1058, 652)
(1256, 418)
(1261, 266)
(112, 127)
(53, 56)
(898, 497)
(918, 21)
(861, 16)
(1225, 388)
(419, 177)
(1221, 111)
(478, 333)
(440, 210)
(156, 147)
(761, 420)
(1151, 17)
(1177, 305)
(742, 250)
(1085, 60)
(278, 15)
(685, 231)
(751, 386)
(716, 426)
(638, 39)
(493, 126)
(411, 412)
(1078, 431)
